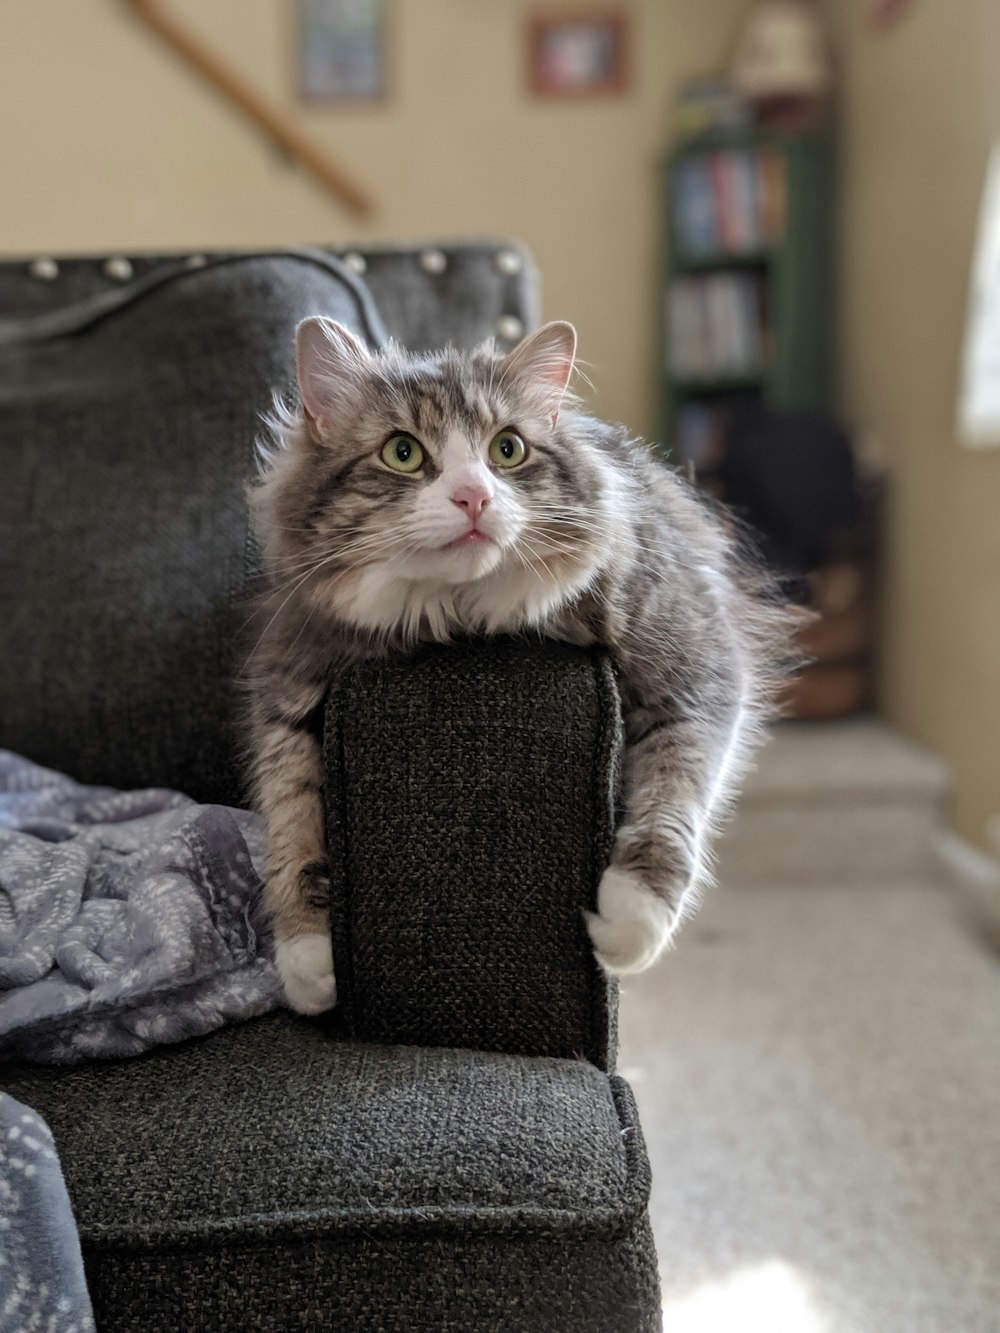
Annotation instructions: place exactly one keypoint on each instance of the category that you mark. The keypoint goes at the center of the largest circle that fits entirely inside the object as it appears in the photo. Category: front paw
(305, 966)
(632, 926)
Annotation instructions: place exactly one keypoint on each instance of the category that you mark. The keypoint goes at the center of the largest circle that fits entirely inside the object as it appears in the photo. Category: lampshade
(782, 52)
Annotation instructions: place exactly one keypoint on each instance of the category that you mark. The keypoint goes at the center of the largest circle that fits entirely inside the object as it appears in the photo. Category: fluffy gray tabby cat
(419, 497)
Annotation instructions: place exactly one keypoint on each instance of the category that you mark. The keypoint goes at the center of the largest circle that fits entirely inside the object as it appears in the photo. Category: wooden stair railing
(274, 124)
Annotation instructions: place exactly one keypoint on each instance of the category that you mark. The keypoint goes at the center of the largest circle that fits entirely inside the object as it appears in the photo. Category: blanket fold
(127, 919)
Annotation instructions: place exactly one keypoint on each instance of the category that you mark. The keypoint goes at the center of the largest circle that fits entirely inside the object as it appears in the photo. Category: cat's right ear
(543, 364)
(331, 364)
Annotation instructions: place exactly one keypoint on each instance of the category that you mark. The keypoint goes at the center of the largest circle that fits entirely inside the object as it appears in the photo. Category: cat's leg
(288, 773)
(676, 775)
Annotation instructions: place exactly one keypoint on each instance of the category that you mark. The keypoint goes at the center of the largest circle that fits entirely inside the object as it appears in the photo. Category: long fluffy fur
(596, 542)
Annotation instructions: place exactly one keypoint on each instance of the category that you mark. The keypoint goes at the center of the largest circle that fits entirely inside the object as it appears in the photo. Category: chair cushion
(405, 1186)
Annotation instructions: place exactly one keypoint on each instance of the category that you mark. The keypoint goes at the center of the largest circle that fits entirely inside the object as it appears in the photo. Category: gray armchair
(451, 1148)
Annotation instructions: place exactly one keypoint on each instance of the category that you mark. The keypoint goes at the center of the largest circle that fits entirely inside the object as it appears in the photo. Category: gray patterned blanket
(127, 919)
(42, 1283)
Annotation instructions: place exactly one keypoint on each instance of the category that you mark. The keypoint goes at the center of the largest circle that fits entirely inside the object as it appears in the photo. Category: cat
(416, 497)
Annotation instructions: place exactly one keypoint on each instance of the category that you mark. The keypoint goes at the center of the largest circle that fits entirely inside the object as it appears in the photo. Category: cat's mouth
(470, 538)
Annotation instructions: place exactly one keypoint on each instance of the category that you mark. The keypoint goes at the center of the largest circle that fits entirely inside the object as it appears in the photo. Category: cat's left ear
(542, 363)
(332, 365)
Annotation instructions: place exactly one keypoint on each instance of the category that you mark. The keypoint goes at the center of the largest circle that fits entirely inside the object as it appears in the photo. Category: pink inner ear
(545, 361)
(330, 361)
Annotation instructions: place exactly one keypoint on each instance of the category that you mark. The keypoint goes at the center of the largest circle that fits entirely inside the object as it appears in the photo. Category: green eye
(403, 454)
(508, 449)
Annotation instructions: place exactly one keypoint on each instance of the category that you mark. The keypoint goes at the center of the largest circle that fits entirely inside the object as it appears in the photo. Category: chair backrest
(129, 408)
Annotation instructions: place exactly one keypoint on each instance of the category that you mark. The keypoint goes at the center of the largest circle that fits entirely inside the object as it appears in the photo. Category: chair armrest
(471, 794)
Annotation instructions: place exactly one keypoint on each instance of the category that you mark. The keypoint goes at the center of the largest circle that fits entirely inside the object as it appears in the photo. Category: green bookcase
(748, 221)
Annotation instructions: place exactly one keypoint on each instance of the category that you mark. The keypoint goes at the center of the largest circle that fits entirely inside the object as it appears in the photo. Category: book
(694, 211)
(745, 191)
(772, 195)
(715, 326)
(724, 201)
(730, 201)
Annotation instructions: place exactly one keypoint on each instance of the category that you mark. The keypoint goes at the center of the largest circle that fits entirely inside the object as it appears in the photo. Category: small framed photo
(577, 56)
(884, 13)
(342, 50)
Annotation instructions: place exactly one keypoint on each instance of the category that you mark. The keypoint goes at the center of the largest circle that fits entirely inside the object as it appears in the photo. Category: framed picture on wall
(341, 50)
(886, 12)
(577, 55)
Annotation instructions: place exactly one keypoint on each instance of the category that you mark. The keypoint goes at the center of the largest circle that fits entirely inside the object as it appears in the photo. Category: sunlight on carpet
(767, 1298)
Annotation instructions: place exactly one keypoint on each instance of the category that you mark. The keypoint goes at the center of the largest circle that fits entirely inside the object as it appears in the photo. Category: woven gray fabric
(271, 1173)
(470, 815)
(403, 1284)
(126, 436)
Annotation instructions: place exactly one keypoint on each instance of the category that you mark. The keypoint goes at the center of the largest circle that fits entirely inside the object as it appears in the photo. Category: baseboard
(969, 871)
(993, 833)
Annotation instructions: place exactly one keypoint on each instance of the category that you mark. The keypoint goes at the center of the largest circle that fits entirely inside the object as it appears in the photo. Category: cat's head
(435, 490)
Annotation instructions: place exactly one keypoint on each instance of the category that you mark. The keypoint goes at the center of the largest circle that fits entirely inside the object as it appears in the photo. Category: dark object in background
(793, 478)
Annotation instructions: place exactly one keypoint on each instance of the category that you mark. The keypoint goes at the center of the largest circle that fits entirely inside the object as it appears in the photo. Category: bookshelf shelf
(746, 306)
(710, 384)
(684, 263)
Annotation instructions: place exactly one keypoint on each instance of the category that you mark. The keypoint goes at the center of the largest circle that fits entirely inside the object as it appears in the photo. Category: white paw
(305, 965)
(631, 926)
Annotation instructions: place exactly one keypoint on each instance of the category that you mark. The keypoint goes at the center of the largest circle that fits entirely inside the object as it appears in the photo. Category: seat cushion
(398, 1186)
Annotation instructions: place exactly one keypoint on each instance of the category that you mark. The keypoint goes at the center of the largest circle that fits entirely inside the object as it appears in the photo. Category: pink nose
(473, 499)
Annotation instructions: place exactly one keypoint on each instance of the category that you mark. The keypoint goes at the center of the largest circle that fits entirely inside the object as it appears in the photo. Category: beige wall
(109, 144)
(921, 111)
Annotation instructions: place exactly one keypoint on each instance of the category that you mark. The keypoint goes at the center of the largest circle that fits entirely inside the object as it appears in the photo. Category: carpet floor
(818, 1074)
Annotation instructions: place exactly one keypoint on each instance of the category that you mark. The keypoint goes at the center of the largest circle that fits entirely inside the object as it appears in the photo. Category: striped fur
(590, 539)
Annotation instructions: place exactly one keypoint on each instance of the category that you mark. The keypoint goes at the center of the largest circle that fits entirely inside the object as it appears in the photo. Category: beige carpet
(818, 1071)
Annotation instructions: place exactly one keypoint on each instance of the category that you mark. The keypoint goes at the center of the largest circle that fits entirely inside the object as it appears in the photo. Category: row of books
(729, 201)
(716, 326)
